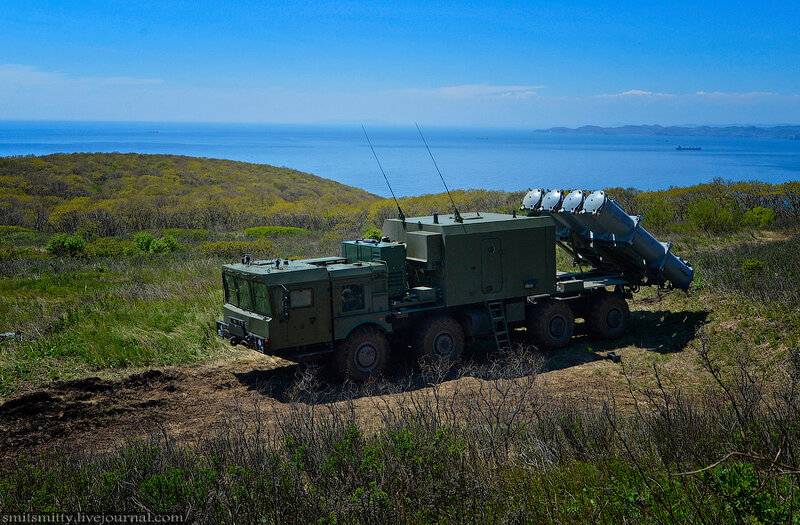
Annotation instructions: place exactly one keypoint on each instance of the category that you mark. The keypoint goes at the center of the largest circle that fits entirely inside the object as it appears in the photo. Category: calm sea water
(469, 158)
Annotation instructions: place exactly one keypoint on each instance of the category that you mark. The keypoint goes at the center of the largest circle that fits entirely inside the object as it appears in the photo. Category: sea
(497, 159)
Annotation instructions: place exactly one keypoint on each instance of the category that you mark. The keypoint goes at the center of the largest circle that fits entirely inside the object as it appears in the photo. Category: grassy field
(94, 286)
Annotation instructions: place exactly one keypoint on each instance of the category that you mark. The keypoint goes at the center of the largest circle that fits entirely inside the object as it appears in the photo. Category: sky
(500, 64)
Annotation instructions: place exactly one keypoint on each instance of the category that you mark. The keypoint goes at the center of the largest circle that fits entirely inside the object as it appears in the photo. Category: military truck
(432, 283)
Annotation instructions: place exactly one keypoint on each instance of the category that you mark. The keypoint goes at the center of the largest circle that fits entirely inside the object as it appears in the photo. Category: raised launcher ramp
(596, 230)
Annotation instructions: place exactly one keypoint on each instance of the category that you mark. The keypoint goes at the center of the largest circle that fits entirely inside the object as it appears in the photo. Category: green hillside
(112, 193)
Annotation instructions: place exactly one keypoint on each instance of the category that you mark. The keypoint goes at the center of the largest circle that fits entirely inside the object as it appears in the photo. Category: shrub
(143, 240)
(166, 244)
(658, 211)
(275, 231)
(758, 217)
(149, 244)
(372, 233)
(260, 247)
(66, 244)
(712, 216)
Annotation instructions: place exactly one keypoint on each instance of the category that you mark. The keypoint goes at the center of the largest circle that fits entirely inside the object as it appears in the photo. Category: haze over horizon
(522, 64)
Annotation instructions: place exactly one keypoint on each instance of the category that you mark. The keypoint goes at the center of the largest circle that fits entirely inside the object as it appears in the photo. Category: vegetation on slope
(104, 195)
(113, 194)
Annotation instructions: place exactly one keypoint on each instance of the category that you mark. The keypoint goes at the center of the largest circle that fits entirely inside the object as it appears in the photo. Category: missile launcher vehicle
(433, 283)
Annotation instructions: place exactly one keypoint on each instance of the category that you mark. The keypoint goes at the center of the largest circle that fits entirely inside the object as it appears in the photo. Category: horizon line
(323, 123)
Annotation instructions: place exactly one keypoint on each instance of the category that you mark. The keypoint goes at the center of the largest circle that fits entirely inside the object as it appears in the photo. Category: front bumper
(238, 335)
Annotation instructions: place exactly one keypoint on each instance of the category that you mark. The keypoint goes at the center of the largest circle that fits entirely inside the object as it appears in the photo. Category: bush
(275, 231)
(372, 233)
(66, 244)
(149, 244)
(166, 244)
(712, 216)
(261, 247)
(658, 211)
(758, 217)
(143, 240)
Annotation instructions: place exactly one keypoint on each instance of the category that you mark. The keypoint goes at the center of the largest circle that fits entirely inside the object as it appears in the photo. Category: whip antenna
(456, 216)
(400, 213)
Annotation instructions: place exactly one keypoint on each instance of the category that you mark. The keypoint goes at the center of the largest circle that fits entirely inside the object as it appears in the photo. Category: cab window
(261, 298)
(352, 297)
(301, 298)
(245, 295)
(231, 293)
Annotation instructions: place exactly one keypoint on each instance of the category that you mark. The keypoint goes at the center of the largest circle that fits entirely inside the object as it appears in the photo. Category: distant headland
(774, 132)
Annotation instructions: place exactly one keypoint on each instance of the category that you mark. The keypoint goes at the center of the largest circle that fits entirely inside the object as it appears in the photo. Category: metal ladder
(497, 313)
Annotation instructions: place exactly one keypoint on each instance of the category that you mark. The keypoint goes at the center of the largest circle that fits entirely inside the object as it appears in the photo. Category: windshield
(246, 293)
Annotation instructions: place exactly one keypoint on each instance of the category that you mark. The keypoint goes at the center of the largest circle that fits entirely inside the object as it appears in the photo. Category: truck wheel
(441, 338)
(363, 354)
(607, 316)
(550, 324)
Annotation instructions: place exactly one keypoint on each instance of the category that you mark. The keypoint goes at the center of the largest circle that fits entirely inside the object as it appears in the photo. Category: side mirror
(286, 303)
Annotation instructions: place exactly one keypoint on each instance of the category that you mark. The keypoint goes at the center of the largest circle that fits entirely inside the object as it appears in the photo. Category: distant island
(774, 132)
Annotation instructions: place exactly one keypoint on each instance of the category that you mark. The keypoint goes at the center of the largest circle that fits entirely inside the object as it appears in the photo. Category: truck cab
(298, 309)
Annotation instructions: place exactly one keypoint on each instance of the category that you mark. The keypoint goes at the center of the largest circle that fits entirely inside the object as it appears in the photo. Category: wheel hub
(443, 345)
(558, 326)
(614, 318)
(366, 357)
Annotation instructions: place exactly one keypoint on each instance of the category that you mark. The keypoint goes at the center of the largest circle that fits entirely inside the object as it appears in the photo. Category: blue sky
(443, 63)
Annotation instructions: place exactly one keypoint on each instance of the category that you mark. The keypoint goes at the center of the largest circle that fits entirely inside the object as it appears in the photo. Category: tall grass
(766, 271)
(493, 447)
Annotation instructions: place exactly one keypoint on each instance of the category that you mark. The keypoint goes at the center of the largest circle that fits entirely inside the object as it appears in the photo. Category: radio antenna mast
(456, 216)
(400, 213)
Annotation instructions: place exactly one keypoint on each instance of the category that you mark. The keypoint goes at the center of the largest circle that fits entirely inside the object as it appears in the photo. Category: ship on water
(688, 148)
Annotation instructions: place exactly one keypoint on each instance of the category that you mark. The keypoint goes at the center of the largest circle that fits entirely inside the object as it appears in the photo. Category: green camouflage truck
(428, 286)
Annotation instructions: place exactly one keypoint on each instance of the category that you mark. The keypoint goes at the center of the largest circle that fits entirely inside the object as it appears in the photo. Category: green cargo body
(488, 257)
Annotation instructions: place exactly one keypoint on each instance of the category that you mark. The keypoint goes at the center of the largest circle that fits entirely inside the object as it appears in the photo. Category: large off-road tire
(550, 324)
(607, 316)
(440, 338)
(363, 355)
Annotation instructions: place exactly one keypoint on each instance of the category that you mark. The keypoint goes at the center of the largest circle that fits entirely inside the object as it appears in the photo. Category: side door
(352, 300)
(309, 313)
(491, 265)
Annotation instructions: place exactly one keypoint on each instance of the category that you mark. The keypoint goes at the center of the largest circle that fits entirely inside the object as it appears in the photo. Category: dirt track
(100, 413)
